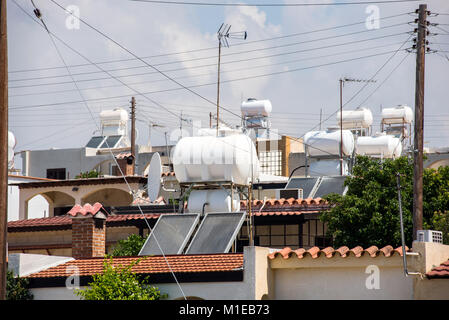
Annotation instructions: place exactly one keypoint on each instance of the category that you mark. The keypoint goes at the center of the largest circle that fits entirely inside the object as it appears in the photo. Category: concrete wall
(340, 278)
(37, 207)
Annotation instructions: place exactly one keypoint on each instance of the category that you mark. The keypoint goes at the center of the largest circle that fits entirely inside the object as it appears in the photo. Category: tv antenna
(223, 35)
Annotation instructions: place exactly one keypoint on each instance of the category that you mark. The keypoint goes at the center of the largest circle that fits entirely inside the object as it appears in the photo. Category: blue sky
(151, 29)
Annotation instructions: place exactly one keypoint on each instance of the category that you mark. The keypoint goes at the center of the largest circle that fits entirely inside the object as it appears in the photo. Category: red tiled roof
(123, 155)
(286, 206)
(150, 265)
(442, 271)
(66, 221)
(87, 210)
(168, 174)
(330, 252)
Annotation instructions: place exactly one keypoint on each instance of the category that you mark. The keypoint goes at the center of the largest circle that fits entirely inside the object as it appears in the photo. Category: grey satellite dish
(154, 177)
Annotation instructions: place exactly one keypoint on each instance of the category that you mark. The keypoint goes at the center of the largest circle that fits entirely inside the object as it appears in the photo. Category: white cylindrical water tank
(359, 118)
(399, 114)
(231, 158)
(11, 145)
(116, 115)
(213, 201)
(385, 146)
(325, 143)
(253, 107)
(327, 168)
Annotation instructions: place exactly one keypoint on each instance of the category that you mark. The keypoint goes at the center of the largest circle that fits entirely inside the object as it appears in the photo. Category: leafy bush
(119, 283)
(88, 174)
(129, 247)
(16, 288)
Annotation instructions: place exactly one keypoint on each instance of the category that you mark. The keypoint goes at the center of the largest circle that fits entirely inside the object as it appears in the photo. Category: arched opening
(108, 197)
(49, 204)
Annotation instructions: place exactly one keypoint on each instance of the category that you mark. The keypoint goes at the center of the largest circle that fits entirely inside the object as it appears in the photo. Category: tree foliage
(88, 174)
(16, 288)
(129, 247)
(119, 283)
(369, 212)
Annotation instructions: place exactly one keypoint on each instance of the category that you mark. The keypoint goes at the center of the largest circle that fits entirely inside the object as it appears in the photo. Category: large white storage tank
(397, 115)
(11, 145)
(114, 122)
(254, 108)
(217, 201)
(231, 158)
(325, 143)
(359, 118)
(385, 146)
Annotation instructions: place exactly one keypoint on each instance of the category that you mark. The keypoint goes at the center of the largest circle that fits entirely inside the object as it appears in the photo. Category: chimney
(126, 164)
(88, 231)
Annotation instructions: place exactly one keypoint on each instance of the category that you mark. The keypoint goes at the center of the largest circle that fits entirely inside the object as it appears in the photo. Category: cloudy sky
(286, 59)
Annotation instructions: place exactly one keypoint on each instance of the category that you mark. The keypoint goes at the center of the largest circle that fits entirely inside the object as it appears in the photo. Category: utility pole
(3, 150)
(341, 125)
(419, 121)
(133, 132)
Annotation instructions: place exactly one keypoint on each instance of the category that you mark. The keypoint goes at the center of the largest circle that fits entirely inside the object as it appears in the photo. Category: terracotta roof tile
(67, 220)
(440, 272)
(284, 207)
(87, 210)
(150, 265)
(343, 252)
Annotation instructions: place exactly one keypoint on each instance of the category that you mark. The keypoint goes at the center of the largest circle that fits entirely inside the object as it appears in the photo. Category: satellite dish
(154, 177)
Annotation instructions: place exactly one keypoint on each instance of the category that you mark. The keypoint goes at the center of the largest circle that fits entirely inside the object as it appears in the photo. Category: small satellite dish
(154, 177)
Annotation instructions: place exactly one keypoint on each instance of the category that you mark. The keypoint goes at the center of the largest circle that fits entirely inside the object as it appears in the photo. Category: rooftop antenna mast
(223, 35)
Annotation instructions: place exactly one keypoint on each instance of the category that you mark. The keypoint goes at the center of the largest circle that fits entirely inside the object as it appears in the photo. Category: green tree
(16, 288)
(129, 247)
(119, 283)
(369, 212)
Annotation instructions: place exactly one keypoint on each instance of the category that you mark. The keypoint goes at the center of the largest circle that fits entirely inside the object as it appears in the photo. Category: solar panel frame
(155, 229)
(325, 184)
(202, 226)
(310, 184)
(111, 141)
(97, 144)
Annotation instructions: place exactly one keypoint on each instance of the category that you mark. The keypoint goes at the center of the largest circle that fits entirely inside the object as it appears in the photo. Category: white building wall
(341, 283)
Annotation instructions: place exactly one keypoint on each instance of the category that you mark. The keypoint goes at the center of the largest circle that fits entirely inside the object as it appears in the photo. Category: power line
(233, 53)
(209, 74)
(213, 48)
(230, 4)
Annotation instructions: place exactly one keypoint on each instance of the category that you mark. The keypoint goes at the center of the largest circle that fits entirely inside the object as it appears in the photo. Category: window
(271, 162)
(58, 174)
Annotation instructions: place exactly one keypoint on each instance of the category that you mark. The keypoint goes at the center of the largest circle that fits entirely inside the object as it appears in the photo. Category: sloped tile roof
(440, 272)
(66, 221)
(87, 210)
(285, 207)
(330, 252)
(149, 265)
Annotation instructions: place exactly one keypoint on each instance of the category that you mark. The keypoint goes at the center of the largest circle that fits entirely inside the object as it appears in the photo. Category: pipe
(404, 253)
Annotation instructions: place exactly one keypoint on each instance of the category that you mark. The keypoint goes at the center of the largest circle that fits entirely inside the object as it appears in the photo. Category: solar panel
(95, 142)
(306, 184)
(330, 185)
(216, 233)
(172, 232)
(111, 142)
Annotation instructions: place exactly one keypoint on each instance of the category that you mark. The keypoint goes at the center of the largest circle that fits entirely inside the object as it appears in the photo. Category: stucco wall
(340, 283)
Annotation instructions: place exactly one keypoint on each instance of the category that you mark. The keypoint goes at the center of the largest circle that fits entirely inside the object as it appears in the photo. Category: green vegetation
(129, 246)
(88, 174)
(16, 288)
(369, 213)
(119, 283)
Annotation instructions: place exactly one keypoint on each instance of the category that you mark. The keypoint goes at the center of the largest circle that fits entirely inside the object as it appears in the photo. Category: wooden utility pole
(341, 126)
(419, 122)
(3, 149)
(133, 132)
